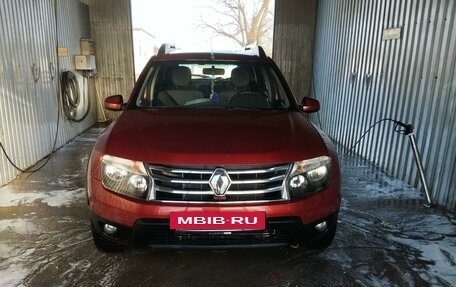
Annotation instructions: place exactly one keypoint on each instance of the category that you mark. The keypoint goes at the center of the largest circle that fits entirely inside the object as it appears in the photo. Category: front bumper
(146, 224)
(126, 211)
(156, 234)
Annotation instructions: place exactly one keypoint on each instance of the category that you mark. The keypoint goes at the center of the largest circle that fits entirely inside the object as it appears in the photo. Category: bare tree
(243, 21)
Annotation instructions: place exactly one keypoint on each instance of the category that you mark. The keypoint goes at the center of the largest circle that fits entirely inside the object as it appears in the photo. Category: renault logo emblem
(220, 182)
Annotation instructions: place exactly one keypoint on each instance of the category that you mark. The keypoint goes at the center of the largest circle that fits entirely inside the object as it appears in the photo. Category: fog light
(109, 229)
(322, 226)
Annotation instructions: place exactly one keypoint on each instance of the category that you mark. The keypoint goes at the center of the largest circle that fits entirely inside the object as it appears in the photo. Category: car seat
(245, 96)
(181, 91)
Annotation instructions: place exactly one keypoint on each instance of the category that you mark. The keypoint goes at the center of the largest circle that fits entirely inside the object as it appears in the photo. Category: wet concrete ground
(385, 238)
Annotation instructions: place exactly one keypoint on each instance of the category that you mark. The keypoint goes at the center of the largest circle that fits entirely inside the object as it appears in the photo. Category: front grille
(192, 184)
(213, 239)
(157, 234)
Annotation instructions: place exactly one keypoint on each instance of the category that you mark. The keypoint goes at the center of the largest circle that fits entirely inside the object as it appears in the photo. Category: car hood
(214, 137)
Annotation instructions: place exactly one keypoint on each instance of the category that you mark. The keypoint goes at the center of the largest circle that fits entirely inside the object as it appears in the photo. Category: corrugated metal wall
(111, 26)
(293, 43)
(72, 23)
(28, 100)
(361, 78)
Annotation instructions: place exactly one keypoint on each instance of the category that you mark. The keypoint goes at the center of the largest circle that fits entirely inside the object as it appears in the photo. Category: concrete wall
(294, 25)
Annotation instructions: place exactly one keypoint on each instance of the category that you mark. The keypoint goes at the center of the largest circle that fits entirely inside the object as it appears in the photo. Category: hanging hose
(71, 96)
(407, 130)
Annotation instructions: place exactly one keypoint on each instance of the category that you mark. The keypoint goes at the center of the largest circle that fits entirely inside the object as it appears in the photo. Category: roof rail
(257, 50)
(166, 49)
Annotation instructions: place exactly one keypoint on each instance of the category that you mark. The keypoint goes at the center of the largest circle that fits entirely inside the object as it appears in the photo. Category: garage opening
(200, 25)
(363, 60)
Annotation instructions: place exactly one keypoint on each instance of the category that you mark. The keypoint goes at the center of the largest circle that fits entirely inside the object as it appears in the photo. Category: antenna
(212, 51)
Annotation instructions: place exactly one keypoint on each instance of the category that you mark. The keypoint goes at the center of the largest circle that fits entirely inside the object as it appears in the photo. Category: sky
(177, 21)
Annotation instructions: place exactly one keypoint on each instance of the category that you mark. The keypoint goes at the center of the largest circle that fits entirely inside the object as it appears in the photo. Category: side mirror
(310, 105)
(114, 103)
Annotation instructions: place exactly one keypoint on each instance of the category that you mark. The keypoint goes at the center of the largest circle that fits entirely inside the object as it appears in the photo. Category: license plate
(217, 221)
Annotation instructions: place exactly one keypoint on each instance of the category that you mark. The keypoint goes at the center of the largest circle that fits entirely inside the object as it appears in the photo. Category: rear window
(203, 85)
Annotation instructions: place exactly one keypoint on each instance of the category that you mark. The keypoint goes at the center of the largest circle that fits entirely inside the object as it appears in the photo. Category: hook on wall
(36, 72)
(52, 70)
(353, 75)
(368, 80)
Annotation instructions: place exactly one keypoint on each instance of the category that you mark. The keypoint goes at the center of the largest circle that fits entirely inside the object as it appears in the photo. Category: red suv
(212, 150)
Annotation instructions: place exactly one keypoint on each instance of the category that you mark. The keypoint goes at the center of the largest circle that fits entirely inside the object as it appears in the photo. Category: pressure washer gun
(407, 129)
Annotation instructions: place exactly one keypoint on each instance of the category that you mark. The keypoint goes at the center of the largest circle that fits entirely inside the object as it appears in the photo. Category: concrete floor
(385, 238)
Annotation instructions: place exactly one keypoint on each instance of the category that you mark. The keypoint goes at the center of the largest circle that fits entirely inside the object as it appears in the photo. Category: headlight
(125, 176)
(308, 176)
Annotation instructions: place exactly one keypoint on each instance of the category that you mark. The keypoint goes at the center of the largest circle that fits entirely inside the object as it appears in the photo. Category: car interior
(209, 85)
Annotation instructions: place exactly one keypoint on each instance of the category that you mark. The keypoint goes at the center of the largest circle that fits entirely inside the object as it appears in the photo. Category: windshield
(225, 85)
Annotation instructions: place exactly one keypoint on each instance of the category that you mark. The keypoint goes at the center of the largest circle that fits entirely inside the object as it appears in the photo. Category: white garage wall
(28, 103)
(360, 79)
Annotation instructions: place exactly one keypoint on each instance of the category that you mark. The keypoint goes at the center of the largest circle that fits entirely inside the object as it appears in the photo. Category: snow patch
(391, 186)
(434, 237)
(12, 272)
(20, 226)
(440, 253)
(85, 139)
(53, 198)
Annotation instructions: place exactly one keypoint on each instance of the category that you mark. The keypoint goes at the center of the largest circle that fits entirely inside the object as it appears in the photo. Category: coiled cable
(71, 96)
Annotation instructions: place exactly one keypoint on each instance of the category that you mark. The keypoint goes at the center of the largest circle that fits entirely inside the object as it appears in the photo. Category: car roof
(168, 52)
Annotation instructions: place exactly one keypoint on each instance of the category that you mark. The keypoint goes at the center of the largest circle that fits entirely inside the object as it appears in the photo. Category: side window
(266, 83)
(274, 88)
(146, 94)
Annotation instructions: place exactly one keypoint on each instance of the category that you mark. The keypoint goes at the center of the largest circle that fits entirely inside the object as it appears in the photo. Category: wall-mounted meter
(86, 61)
(87, 47)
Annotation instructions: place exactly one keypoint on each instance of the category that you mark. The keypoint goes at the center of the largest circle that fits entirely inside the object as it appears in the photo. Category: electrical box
(392, 34)
(84, 62)
(87, 47)
(62, 51)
